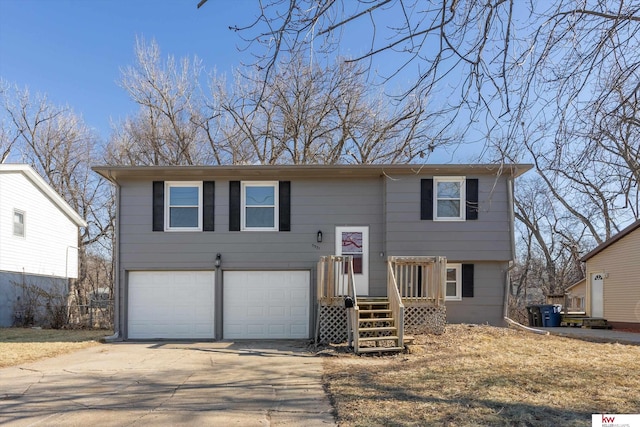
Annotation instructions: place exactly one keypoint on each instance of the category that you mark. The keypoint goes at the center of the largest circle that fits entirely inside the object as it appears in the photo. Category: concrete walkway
(136, 384)
(598, 335)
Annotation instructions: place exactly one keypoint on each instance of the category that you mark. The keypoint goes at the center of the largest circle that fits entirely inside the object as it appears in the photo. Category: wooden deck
(378, 324)
(584, 321)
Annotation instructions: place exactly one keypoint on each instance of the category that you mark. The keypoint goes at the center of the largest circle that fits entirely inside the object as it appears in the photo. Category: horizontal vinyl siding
(620, 264)
(319, 204)
(50, 236)
(486, 239)
(315, 205)
(487, 303)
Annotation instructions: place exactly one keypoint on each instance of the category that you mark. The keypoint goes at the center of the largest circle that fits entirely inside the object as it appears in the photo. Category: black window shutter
(426, 198)
(234, 205)
(158, 205)
(284, 195)
(208, 207)
(467, 280)
(472, 198)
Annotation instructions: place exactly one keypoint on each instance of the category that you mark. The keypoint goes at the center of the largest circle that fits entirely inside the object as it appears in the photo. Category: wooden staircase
(377, 330)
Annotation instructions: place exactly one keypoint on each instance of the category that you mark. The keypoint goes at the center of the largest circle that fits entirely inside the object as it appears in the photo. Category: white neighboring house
(38, 236)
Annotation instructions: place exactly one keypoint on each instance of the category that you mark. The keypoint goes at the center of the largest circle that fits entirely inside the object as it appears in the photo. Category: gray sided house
(232, 252)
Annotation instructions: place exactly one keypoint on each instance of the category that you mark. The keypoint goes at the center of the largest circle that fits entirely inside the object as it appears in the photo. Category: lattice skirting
(425, 319)
(418, 319)
(333, 324)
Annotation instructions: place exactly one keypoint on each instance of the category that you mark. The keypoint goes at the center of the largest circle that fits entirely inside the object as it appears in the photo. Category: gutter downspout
(512, 264)
(117, 336)
(512, 238)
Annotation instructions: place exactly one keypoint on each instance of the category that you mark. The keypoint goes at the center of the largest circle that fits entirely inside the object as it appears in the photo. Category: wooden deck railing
(335, 277)
(336, 281)
(419, 278)
(418, 281)
(395, 303)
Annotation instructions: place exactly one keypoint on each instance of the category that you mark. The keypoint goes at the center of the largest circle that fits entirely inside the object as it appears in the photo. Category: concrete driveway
(251, 383)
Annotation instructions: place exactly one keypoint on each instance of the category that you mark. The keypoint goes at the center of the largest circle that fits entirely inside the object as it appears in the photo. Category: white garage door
(171, 304)
(266, 304)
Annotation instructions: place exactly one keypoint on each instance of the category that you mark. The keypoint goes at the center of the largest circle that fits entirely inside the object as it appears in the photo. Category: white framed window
(18, 223)
(183, 206)
(449, 198)
(259, 209)
(453, 283)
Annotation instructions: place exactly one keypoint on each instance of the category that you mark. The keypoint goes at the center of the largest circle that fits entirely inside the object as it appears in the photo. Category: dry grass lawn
(486, 376)
(23, 345)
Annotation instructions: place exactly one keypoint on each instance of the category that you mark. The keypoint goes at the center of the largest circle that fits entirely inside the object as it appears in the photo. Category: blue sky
(73, 50)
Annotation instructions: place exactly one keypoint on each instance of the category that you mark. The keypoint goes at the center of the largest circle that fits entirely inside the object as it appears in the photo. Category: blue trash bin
(551, 317)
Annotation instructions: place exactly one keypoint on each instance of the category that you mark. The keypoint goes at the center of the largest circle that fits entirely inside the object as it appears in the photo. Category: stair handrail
(395, 302)
(334, 285)
(354, 311)
(420, 278)
(333, 282)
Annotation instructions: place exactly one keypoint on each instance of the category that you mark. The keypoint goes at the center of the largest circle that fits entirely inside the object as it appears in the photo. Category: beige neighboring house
(613, 279)
(576, 297)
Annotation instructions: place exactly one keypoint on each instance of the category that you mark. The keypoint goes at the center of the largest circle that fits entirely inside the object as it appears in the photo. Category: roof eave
(578, 283)
(112, 173)
(602, 246)
(39, 182)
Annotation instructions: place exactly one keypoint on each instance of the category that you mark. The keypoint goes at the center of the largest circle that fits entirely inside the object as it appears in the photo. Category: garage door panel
(171, 304)
(266, 304)
(277, 295)
(298, 311)
(298, 295)
(276, 330)
(251, 316)
(275, 312)
(254, 330)
(297, 330)
(232, 329)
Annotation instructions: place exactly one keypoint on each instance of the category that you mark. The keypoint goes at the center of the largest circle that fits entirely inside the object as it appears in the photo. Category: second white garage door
(266, 304)
(171, 304)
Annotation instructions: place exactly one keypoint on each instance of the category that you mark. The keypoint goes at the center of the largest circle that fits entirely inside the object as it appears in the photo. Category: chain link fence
(96, 314)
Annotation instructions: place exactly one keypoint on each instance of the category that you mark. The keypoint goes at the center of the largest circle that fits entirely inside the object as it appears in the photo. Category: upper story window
(449, 199)
(453, 289)
(183, 206)
(18, 223)
(259, 205)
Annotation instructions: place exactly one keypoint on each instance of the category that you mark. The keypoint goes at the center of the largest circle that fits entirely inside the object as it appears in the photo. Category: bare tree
(170, 127)
(303, 114)
(586, 188)
(8, 134)
(611, 132)
(589, 156)
(550, 243)
(552, 240)
(472, 38)
(61, 148)
(492, 65)
(7, 140)
(310, 114)
(584, 191)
